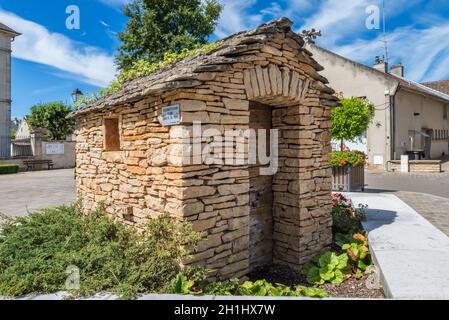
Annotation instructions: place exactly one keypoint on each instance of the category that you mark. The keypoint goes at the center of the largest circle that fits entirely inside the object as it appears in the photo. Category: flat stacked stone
(148, 177)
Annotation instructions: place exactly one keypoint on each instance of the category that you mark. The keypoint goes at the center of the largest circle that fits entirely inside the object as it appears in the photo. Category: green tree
(351, 119)
(159, 26)
(52, 117)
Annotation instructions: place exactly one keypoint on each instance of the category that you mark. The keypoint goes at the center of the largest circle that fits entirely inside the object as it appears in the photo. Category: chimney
(397, 69)
(381, 65)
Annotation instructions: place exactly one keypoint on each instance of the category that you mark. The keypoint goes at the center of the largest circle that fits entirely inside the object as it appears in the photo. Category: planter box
(348, 178)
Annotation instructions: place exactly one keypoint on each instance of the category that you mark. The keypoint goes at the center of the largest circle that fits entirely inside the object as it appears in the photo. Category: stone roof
(442, 85)
(192, 71)
(5, 29)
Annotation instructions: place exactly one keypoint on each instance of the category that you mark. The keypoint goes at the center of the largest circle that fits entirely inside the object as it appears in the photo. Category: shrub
(352, 158)
(346, 218)
(351, 118)
(35, 252)
(9, 168)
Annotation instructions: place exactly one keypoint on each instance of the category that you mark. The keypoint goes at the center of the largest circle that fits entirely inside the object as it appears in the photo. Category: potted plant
(348, 170)
(350, 119)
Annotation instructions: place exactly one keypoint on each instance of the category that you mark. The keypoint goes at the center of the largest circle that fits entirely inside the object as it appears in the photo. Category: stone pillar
(37, 136)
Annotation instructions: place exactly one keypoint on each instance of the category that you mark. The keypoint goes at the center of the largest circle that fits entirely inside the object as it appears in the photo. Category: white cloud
(424, 52)
(37, 44)
(115, 3)
(237, 15)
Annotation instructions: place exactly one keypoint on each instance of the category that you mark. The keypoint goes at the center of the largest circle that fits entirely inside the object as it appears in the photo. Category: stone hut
(133, 154)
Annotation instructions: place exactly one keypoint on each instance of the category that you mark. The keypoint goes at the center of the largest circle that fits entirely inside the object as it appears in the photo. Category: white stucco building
(7, 35)
(410, 118)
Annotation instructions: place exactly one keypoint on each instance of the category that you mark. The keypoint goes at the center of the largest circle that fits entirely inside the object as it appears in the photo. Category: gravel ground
(351, 288)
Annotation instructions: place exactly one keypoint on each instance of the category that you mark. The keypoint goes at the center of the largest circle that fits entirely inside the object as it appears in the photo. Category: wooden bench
(32, 164)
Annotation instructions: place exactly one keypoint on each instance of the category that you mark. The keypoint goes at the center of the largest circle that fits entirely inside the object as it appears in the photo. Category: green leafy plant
(329, 267)
(261, 288)
(9, 168)
(35, 252)
(344, 158)
(346, 218)
(351, 118)
(359, 254)
(182, 285)
(52, 117)
(226, 288)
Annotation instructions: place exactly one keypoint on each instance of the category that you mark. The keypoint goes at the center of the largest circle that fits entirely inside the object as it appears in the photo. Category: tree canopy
(52, 117)
(156, 27)
(351, 118)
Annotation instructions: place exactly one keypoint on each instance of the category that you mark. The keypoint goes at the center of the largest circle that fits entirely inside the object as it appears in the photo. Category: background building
(7, 35)
(410, 118)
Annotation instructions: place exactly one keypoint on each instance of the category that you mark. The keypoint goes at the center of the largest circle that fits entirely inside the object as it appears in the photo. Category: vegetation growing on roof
(142, 68)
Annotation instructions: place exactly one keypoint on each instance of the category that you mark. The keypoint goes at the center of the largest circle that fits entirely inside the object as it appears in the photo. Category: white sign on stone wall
(54, 148)
(171, 115)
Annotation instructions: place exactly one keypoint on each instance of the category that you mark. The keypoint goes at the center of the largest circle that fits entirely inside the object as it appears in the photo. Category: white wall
(431, 116)
(63, 160)
(354, 80)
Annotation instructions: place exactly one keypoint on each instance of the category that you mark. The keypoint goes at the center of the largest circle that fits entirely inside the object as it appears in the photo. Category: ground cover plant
(260, 288)
(350, 255)
(36, 251)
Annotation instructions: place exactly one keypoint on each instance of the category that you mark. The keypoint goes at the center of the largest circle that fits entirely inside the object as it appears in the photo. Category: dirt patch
(351, 288)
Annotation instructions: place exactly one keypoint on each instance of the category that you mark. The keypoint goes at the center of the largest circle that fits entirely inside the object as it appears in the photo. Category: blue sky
(49, 60)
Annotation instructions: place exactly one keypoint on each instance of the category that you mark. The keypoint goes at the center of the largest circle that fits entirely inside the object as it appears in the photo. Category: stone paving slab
(412, 255)
(29, 191)
(435, 209)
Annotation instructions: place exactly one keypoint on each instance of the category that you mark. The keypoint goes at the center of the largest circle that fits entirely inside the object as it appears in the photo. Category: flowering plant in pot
(351, 158)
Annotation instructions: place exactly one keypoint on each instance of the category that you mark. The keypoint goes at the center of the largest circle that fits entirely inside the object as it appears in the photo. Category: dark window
(111, 135)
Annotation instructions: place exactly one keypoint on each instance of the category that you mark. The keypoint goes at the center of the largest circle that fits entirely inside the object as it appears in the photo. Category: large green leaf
(327, 273)
(342, 261)
(313, 276)
(339, 277)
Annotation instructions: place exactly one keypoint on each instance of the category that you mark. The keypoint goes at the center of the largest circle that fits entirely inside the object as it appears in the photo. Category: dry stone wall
(149, 176)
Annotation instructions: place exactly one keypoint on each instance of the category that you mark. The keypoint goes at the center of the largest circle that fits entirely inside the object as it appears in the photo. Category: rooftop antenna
(385, 41)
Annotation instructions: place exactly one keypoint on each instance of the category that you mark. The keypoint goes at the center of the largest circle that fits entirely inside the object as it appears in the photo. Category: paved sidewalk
(436, 184)
(29, 191)
(411, 253)
(434, 209)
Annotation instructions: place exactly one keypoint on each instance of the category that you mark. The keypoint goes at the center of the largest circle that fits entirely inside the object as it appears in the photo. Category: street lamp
(76, 95)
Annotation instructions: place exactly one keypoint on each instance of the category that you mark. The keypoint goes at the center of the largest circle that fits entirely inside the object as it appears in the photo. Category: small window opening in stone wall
(111, 134)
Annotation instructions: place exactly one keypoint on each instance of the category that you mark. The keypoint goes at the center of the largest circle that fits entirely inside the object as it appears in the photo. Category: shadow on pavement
(377, 218)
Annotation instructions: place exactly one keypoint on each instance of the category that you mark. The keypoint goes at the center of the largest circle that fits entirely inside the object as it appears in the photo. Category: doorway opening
(260, 194)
